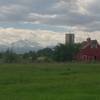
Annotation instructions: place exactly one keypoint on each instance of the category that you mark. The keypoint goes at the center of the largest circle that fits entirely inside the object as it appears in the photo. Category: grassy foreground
(50, 82)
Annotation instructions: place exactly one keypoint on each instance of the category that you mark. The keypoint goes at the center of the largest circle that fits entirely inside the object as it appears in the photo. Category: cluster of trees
(60, 53)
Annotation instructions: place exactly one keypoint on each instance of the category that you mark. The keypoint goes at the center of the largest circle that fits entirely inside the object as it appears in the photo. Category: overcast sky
(46, 21)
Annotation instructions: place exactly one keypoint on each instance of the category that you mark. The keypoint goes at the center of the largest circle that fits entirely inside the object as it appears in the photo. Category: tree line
(60, 53)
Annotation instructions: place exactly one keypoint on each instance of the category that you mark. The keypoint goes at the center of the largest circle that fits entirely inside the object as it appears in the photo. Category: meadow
(45, 81)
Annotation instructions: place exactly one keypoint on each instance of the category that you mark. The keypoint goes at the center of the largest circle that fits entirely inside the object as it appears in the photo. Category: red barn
(89, 51)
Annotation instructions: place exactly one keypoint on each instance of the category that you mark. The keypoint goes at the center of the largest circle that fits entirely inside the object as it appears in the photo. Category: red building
(89, 51)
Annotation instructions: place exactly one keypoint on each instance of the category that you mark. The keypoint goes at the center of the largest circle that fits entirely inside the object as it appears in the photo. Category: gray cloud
(83, 14)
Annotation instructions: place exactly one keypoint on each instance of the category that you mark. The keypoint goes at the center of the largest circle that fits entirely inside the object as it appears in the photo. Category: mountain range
(21, 46)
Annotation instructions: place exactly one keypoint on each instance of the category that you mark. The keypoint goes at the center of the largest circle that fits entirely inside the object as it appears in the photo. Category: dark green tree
(46, 52)
(64, 53)
(9, 56)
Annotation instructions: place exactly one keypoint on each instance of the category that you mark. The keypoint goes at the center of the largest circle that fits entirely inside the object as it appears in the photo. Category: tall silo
(69, 38)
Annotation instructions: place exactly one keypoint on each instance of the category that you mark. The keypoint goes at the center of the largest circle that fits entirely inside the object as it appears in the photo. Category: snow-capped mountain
(25, 46)
(21, 46)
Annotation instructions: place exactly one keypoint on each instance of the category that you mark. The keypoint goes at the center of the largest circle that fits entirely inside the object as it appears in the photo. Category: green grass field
(50, 82)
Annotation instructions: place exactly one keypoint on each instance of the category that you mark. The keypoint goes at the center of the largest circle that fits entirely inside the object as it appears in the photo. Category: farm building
(90, 50)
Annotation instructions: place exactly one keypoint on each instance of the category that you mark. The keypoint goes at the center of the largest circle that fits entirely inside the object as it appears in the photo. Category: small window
(94, 45)
(84, 57)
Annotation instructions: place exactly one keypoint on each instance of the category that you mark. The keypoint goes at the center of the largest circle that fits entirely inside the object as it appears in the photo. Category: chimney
(88, 40)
